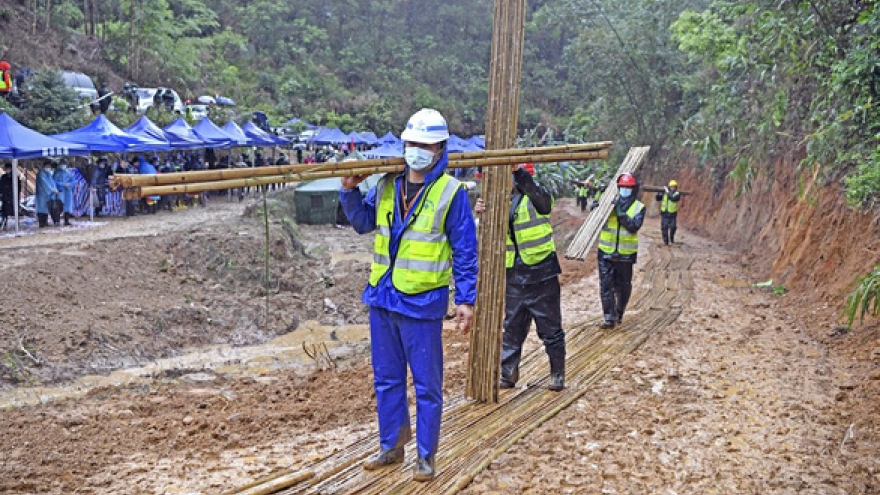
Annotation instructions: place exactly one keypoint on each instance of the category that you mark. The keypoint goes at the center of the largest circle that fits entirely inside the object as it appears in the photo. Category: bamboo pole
(524, 154)
(505, 74)
(194, 187)
(589, 231)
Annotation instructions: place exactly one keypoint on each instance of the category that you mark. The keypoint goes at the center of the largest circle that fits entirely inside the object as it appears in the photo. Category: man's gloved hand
(666, 188)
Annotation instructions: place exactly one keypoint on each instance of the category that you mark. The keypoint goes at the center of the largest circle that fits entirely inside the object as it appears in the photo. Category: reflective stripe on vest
(613, 238)
(534, 235)
(424, 256)
(667, 206)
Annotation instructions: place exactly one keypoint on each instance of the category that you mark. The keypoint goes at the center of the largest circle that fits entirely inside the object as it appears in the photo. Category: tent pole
(15, 190)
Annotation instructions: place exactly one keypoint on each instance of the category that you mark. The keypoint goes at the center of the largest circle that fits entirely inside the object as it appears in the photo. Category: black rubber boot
(557, 367)
(608, 322)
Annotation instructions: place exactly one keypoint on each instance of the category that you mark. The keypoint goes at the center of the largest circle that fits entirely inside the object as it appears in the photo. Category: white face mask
(625, 192)
(418, 159)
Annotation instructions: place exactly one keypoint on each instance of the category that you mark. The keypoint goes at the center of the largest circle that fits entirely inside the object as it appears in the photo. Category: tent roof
(389, 137)
(385, 151)
(261, 137)
(181, 132)
(145, 127)
(18, 141)
(213, 136)
(103, 135)
(330, 136)
(235, 131)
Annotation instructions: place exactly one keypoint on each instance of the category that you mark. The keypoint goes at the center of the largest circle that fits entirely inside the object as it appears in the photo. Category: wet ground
(160, 370)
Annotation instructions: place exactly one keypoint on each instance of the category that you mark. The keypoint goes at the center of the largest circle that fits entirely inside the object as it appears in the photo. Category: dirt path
(740, 394)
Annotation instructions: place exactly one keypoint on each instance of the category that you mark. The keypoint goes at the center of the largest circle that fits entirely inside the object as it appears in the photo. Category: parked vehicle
(80, 83)
(145, 99)
(198, 111)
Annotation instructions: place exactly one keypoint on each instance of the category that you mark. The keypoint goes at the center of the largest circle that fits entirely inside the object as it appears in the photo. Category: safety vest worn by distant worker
(5, 82)
(667, 206)
(614, 238)
(424, 257)
(533, 234)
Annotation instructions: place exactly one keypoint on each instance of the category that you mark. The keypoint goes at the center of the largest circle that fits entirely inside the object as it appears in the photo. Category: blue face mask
(625, 192)
(418, 159)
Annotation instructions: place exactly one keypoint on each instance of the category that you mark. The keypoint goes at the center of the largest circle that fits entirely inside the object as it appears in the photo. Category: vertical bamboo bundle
(505, 74)
(589, 231)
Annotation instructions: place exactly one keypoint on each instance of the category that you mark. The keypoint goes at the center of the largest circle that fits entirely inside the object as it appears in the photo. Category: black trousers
(668, 226)
(615, 287)
(523, 303)
(582, 202)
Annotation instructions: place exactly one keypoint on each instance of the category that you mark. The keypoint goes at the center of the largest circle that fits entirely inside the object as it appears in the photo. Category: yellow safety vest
(613, 238)
(424, 256)
(4, 85)
(583, 192)
(534, 235)
(667, 206)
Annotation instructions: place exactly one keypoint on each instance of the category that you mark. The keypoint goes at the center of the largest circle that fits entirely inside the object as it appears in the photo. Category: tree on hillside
(52, 107)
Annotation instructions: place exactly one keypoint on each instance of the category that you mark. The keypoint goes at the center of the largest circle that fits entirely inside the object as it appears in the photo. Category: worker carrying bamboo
(426, 234)
(532, 274)
(618, 250)
(669, 199)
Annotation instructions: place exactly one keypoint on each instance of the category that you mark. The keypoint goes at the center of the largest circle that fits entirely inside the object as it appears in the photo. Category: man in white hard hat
(425, 234)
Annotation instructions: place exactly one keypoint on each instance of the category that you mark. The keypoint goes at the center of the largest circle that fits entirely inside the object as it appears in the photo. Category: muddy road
(142, 356)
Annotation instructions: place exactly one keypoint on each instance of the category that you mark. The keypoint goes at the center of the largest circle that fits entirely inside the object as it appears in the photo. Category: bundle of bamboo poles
(589, 231)
(502, 113)
(138, 186)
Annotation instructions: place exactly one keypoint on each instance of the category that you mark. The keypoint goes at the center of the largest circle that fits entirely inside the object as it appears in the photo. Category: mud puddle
(310, 343)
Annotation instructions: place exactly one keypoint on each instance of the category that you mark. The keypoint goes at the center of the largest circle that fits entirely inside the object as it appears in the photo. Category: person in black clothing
(619, 249)
(282, 160)
(7, 197)
(533, 291)
(299, 155)
(104, 98)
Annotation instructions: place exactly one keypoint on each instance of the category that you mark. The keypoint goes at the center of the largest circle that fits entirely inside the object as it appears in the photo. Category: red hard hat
(626, 180)
(529, 168)
(4, 65)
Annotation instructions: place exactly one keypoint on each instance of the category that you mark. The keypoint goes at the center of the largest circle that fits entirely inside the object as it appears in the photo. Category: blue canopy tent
(354, 137)
(330, 136)
(261, 137)
(213, 136)
(145, 127)
(388, 138)
(478, 141)
(18, 142)
(459, 145)
(235, 131)
(369, 138)
(385, 151)
(103, 135)
(181, 132)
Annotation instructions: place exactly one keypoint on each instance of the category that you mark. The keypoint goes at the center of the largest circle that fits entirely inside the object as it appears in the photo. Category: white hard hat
(426, 126)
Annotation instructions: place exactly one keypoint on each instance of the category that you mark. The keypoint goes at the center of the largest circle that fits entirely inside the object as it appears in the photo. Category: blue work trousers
(398, 340)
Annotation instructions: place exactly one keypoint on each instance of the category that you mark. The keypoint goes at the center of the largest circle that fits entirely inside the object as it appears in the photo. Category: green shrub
(865, 298)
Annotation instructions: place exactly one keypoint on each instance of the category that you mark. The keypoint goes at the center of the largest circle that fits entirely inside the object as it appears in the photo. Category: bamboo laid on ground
(352, 168)
(524, 154)
(502, 112)
(589, 231)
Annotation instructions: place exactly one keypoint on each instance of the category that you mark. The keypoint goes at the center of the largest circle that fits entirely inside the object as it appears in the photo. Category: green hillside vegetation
(732, 85)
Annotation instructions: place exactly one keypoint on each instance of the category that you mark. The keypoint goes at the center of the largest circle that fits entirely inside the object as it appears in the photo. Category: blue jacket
(460, 230)
(46, 190)
(65, 182)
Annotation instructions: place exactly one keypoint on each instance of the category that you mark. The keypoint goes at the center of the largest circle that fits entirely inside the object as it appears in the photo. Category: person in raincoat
(65, 182)
(425, 235)
(47, 190)
(532, 274)
(151, 203)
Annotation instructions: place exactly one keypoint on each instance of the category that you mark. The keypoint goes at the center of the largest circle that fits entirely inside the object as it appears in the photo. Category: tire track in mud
(473, 435)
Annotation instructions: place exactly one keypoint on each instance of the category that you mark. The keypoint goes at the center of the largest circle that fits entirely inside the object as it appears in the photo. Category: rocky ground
(141, 356)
